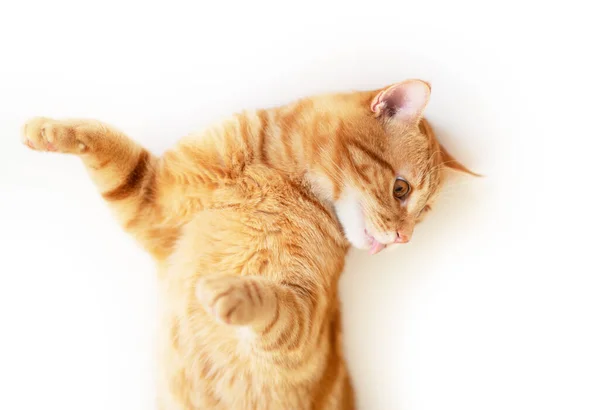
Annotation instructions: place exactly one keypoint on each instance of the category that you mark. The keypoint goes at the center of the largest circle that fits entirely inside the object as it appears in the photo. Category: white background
(495, 303)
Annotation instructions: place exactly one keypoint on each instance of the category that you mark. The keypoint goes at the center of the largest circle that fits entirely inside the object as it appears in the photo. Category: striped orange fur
(249, 223)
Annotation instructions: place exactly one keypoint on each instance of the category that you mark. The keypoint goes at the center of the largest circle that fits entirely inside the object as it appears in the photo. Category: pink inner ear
(406, 100)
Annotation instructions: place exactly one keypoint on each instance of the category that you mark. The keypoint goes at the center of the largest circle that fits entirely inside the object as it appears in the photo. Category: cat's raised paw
(233, 300)
(45, 134)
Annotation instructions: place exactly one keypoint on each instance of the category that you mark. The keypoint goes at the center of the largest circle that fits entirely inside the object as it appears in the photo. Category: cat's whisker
(437, 168)
(455, 187)
(429, 160)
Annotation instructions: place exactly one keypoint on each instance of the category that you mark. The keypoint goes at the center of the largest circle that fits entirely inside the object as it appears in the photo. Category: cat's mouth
(375, 245)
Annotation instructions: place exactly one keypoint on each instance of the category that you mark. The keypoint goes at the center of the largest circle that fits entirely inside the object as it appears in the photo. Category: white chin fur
(350, 214)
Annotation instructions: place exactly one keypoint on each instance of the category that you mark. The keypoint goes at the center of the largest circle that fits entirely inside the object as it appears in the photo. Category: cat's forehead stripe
(371, 154)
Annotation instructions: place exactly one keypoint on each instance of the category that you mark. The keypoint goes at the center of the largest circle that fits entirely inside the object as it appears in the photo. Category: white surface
(494, 305)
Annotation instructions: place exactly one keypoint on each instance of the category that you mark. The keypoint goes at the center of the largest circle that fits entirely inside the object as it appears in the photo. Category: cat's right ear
(404, 101)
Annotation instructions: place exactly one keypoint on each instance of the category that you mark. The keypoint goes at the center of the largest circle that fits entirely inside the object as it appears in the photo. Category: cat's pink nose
(402, 238)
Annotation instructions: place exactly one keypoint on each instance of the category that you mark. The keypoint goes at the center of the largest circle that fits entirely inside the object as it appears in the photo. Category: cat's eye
(401, 188)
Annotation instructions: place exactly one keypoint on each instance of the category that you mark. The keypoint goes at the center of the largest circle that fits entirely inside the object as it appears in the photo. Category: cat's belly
(260, 232)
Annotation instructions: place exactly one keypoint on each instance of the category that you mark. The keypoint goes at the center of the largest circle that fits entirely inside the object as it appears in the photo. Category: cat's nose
(401, 238)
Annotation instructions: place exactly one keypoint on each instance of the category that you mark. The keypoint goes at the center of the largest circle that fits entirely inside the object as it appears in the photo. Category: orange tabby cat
(249, 224)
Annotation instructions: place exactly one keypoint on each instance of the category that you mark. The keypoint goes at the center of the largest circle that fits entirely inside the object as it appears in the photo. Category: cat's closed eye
(401, 188)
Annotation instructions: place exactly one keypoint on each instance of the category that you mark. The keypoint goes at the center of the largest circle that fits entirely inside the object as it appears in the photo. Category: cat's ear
(451, 163)
(404, 101)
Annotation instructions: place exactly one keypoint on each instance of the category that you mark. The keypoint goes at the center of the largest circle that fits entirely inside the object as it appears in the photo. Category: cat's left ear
(451, 163)
(404, 101)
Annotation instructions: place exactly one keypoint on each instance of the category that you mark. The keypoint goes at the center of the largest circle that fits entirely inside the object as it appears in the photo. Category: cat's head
(388, 167)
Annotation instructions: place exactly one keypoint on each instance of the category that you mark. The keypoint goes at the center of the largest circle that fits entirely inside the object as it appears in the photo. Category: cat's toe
(45, 134)
(33, 134)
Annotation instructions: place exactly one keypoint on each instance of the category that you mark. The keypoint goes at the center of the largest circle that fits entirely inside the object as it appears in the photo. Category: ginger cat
(249, 224)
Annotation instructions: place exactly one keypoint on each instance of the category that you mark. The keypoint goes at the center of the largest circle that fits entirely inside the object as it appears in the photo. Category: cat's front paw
(45, 134)
(234, 300)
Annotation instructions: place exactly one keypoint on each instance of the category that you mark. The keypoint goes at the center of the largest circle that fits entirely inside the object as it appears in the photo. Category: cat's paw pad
(45, 134)
(233, 300)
